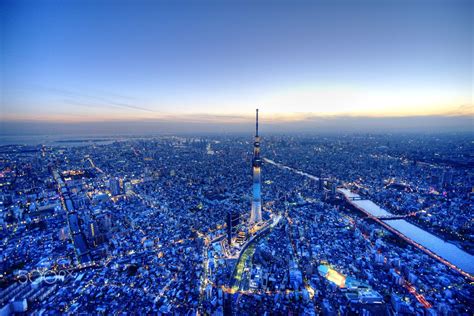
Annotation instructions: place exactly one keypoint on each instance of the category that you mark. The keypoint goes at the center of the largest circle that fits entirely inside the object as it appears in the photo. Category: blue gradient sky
(75, 61)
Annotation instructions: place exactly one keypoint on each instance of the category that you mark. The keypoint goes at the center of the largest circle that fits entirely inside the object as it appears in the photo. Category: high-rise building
(256, 213)
(114, 186)
(232, 220)
(446, 178)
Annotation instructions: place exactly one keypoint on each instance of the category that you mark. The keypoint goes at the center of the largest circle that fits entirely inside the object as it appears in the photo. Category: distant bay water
(56, 140)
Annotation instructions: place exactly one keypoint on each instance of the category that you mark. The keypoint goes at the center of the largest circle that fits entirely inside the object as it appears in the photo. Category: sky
(211, 63)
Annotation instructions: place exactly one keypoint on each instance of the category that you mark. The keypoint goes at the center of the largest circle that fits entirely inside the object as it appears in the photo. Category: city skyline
(94, 62)
(266, 157)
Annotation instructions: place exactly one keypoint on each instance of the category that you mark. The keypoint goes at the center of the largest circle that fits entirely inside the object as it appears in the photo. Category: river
(446, 250)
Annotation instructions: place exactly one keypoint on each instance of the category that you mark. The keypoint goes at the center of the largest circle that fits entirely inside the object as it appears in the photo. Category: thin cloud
(104, 100)
(465, 109)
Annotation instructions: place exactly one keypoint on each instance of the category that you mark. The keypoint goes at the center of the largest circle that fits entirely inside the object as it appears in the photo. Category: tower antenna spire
(256, 124)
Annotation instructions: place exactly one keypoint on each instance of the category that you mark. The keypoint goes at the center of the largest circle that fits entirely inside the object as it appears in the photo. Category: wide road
(247, 251)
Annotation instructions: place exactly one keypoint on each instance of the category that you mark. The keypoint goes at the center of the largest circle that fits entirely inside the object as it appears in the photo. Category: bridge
(357, 198)
(387, 217)
(392, 216)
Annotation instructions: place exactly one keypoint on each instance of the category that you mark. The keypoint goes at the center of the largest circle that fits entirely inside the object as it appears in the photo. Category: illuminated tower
(256, 214)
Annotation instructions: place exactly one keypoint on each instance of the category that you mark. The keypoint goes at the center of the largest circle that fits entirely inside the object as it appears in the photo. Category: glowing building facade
(256, 213)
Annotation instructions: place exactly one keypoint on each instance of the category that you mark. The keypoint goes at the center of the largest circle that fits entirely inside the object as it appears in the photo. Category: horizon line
(269, 118)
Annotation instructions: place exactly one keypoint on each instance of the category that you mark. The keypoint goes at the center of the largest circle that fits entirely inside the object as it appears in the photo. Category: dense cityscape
(236, 158)
(184, 225)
